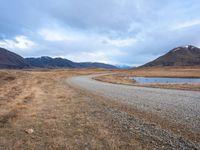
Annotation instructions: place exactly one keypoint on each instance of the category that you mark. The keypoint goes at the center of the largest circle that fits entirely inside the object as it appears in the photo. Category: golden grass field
(42, 102)
(38, 110)
(191, 72)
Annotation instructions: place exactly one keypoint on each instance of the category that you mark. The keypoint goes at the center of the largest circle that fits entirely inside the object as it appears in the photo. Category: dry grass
(115, 79)
(38, 100)
(192, 72)
(65, 118)
(59, 116)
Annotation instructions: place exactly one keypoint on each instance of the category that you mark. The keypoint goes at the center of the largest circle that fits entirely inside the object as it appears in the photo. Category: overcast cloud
(129, 32)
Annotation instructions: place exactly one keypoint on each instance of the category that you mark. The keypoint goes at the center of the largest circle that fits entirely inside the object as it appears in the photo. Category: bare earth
(40, 110)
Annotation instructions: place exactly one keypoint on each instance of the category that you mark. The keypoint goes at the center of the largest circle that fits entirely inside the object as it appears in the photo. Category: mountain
(48, 62)
(95, 65)
(124, 66)
(180, 56)
(10, 60)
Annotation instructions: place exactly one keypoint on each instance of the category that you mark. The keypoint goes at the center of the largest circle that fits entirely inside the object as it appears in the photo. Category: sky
(122, 32)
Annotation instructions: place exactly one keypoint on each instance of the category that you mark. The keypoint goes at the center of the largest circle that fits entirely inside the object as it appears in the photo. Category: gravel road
(177, 105)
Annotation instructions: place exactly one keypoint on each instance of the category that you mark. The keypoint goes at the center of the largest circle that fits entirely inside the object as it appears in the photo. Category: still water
(165, 80)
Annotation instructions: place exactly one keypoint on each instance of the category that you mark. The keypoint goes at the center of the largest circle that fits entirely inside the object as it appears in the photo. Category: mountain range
(10, 60)
(180, 56)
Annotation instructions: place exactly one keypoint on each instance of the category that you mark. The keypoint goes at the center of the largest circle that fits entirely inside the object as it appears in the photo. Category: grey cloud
(151, 24)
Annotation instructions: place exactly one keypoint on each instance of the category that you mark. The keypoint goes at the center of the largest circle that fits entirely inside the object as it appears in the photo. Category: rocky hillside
(180, 56)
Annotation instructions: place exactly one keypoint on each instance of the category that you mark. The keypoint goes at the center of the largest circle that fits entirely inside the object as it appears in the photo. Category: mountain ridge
(11, 60)
(49, 62)
(180, 56)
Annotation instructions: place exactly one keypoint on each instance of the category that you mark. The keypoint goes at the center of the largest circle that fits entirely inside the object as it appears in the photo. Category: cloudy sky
(130, 32)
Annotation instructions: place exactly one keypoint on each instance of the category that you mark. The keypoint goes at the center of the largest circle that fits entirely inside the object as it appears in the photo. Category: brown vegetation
(192, 72)
(38, 110)
(115, 79)
(41, 102)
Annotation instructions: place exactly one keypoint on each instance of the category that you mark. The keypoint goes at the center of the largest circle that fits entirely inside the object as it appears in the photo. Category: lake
(164, 80)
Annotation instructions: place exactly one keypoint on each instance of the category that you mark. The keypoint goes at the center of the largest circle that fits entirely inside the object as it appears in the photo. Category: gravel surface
(180, 106)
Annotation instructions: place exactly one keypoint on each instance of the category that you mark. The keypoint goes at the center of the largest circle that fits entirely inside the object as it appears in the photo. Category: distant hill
(180, 56)
(95, 65)
(10, 60)
(48, 62)
(125, 66)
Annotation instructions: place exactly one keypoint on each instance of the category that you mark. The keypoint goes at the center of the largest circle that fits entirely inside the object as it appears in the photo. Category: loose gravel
(180, 106)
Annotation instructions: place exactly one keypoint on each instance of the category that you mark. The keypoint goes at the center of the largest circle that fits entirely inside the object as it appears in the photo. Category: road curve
(178, 105)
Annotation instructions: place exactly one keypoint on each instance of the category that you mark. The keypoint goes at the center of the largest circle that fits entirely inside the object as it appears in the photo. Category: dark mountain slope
(48, 62)
(95, 65)
(180, 56)
(10, 60)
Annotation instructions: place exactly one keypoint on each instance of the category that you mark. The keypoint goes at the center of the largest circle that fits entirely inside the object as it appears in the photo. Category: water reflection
(165, 80)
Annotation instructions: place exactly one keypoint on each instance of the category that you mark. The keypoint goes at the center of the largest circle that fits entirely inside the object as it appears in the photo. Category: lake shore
(169, 72)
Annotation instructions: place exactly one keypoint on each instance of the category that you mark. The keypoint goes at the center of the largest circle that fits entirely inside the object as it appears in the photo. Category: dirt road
(180, 107)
